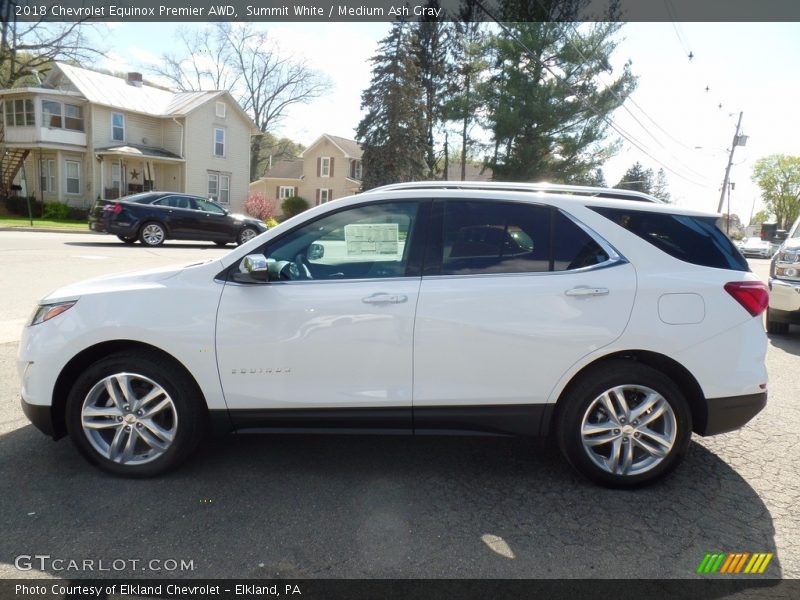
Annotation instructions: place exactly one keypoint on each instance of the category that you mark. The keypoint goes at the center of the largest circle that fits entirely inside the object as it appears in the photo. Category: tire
(776, 327)
(246, 234)
(152, 234)
(119, 437)
(623, 452)
(126, 239)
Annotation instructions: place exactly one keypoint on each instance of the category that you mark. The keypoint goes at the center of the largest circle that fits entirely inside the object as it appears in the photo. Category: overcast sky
(673, 121)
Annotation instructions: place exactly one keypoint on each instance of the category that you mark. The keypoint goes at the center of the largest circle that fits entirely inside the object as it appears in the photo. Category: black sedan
(152, 217)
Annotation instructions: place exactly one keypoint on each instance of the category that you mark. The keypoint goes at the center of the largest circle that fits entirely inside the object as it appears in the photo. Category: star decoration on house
(134, 174)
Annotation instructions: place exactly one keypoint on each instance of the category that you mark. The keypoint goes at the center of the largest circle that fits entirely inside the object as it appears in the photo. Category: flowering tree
(259, 207)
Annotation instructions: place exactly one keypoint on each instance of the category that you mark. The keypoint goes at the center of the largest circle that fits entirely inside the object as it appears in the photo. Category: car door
(328, 341)
(213, 223)
(178, 216)
(514, 294)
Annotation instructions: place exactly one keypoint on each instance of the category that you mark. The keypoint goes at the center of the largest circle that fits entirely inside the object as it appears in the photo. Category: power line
(585, 102)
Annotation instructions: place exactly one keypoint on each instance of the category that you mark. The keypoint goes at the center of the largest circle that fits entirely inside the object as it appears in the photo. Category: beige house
(329, 168)
(81, 135)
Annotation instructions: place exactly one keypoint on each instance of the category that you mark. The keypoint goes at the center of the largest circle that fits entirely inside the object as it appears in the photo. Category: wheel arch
(679, 374)
(82, 360)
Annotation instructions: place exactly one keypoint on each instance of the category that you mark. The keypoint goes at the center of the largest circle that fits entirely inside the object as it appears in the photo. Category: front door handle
(384, 299)
(587, 291)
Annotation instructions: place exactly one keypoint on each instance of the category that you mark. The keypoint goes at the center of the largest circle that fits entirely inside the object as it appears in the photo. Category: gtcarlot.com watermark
(46, 562)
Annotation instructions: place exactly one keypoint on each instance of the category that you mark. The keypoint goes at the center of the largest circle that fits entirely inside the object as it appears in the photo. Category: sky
(671, 121)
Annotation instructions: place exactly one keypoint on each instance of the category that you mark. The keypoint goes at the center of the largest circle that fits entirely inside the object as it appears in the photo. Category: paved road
(256, 506)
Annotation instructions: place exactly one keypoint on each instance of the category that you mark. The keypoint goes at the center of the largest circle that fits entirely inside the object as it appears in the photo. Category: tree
(548, 109)
(660, 186)
(778, 176)
(430, 40)
(392, 131)
(761, 216)
(246, 61)
(274, 149)
(29, 48)
(638, 179)
(468, 62)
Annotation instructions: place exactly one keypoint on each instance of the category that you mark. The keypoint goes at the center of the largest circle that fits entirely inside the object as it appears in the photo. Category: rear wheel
(624, 424)
(133, 415)
(127, 239)
(776, 327)
(152, 234)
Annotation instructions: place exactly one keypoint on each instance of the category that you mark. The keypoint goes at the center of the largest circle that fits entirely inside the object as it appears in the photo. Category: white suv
(784, 284)
(615, 323)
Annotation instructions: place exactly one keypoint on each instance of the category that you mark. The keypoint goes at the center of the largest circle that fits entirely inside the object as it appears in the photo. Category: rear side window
(696, 240)
(492, 237)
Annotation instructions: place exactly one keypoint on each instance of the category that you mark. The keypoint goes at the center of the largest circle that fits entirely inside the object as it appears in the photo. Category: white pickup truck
(784, 284)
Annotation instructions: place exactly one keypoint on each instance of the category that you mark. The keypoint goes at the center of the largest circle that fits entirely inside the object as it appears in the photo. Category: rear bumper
(40, 415)
(106, 226)
(727, 414)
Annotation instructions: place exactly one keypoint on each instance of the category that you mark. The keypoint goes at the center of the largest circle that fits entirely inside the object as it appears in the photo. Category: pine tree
(660, 187)
(547, 106)
(637, 178)
(392, 132)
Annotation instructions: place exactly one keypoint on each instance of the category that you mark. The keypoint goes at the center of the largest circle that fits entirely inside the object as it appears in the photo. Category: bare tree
(29, 48)
(248, 63)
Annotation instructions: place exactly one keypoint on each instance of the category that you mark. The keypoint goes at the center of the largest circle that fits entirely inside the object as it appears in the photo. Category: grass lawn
(23, 222)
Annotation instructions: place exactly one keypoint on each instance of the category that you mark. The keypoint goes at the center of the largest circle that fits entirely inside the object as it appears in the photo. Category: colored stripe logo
(734, 563)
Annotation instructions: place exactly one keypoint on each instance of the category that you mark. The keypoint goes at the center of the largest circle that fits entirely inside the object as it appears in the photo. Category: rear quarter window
(695, 240)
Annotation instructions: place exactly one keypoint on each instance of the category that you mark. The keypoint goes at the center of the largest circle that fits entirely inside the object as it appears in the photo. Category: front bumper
(41, 416)
(784, 295)
(727, 414)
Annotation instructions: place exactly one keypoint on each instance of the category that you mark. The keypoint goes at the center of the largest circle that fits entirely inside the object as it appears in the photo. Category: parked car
(759, 248)
(592, 320)
(784, 284)
(153, 217)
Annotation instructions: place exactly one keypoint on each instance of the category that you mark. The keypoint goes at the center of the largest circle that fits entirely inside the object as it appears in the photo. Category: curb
(47, 230)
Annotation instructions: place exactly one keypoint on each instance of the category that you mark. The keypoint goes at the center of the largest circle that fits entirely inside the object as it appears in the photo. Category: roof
(138, 151)
(116, 92)
(350, 148)
(286, 169)
(472, 172)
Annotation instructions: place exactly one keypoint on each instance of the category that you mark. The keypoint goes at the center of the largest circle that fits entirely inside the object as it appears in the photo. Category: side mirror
(254, 267)
(316, 251)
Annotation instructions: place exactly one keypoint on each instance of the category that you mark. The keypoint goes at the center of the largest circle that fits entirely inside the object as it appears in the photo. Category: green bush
(56, 210)
(293, 206)
(78, 214)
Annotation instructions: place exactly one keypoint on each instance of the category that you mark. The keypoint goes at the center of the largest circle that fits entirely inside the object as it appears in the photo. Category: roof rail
(500, 186)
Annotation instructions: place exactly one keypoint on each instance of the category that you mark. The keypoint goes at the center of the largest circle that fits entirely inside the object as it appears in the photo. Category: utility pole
(736, 142)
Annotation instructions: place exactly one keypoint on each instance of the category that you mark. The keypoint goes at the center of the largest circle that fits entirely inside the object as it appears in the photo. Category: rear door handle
(587, 291)
(384, 299)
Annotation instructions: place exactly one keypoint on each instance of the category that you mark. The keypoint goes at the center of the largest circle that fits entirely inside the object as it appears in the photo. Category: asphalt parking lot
(376, 507)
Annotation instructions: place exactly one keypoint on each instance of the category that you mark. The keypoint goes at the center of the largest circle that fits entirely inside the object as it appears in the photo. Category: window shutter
(319, 170)
(317, 202)
(331, 173)
(277, 192)
(330, 191)
(295, 191)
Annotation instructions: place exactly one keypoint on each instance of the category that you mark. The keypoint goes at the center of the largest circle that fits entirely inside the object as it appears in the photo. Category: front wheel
(624, 425)
(246, 234)
(133, 415)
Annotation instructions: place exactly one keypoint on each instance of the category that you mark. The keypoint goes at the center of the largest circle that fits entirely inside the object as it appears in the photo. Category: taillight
(115, 208)
(752, 295)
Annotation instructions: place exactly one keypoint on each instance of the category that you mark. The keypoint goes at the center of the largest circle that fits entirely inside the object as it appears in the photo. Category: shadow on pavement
(789, 342)
(366, 507)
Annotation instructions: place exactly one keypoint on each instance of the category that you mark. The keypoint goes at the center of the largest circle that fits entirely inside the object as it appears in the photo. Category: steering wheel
(302, 266)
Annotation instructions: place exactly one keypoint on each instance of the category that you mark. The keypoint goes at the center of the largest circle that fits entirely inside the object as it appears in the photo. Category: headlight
(45, 312)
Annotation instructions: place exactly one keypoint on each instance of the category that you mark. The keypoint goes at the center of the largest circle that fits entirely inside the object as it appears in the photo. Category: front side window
(73, 171)
(207, 206)
(219, 142)
(118, 127)
(366, 242)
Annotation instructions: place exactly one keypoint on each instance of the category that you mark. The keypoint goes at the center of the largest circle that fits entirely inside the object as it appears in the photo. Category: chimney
(135, 79)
